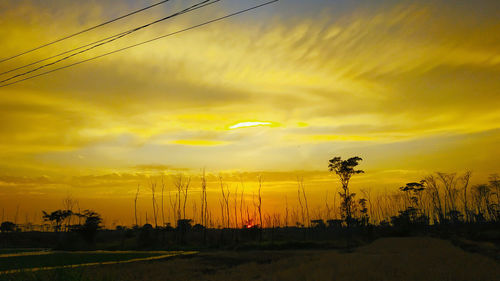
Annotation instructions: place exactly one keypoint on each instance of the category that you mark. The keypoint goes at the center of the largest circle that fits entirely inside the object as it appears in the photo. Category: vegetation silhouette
(441, 204)
(345, 169)
(56, 218)
(92, 224)
(7, 226)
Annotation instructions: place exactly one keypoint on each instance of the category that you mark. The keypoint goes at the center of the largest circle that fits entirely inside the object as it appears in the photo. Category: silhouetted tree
(413, 193)
(92, 224)
(334, 223)
(319, 223)
(146, 236)
(345, 170)
(413, 213)
(409, 217)
(56, 218)
(135, 204)
(7, 226)
(433, 190)
(446, 191)
(183, 226)
(495, 191)
(465, 180)
(485, 209)
(364, 218)
(302, 192)
(153, 190)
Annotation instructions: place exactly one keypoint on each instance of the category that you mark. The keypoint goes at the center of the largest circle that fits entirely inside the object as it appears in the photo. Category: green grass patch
(64, 259)
(20, 250)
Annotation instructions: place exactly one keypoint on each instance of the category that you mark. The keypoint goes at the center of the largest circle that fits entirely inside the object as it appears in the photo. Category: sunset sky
(412, 87)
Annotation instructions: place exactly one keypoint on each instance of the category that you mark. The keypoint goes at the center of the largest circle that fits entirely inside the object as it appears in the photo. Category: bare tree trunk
(495, 183)
(335, 204)
(248, 215)
(327, 207)
(367, 195)
(227, 207)
(221, 202)
(204, 200)
(300, 182)
(179, 186)
(135, 206)
(255, 206)
(236, 207)
(435, 196)
(185, 191)
(162, 205)
(153, 187)
(206, 204)
(300, 202)
(225, 200)
(68, 203)
(465, 180)
(17, 213)
(286, 211)
(448, 181)
(241, 201)
(260, 201)
(174, 206)
(195, 210)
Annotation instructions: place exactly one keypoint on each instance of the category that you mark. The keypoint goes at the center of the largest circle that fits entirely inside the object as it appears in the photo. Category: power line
(144, 42)
(85, 30)
(60, 54)
(116, 37)
(81, 47)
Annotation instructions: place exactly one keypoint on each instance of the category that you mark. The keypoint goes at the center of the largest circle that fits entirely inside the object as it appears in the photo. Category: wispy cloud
(402, 83)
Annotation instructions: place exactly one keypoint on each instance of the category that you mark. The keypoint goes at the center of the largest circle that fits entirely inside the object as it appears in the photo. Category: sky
(410, 86)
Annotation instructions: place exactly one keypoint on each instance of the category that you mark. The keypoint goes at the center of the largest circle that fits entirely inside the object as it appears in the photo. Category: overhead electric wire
(85, 30)
(86, 45)
(114, 37)
(145, 42)
(60, 54)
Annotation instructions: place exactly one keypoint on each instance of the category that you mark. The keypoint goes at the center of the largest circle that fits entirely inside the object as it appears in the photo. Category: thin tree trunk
(135, 206)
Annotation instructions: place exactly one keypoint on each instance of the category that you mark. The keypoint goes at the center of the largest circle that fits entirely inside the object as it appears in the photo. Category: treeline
(441, 198)
(438, 199)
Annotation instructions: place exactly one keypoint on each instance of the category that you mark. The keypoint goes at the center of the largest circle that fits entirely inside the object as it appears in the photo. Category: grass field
(24, 250)
(19, 261)
(386, 259)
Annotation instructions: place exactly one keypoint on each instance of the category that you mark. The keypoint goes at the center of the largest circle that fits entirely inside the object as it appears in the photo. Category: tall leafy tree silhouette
(56, 218)
(345, 169)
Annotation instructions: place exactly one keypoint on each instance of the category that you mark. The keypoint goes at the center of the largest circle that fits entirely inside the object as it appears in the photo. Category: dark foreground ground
(416, 258)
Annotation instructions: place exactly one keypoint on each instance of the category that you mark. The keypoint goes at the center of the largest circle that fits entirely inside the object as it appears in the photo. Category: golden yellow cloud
(412, 87)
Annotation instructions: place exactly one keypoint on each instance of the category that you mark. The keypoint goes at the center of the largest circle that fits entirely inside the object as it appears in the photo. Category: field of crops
(19, 260)
(4, 252)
